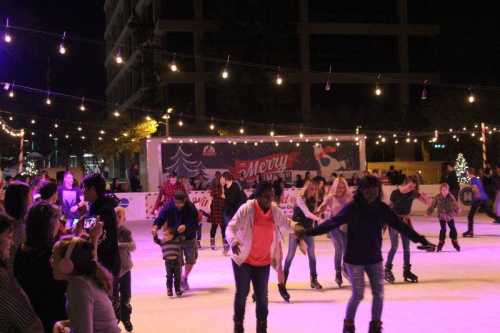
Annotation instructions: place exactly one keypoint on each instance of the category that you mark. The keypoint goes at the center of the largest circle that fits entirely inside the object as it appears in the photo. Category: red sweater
(262, 238)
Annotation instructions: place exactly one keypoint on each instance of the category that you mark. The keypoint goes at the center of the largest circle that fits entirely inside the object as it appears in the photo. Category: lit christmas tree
(183, 166)
(461, 168)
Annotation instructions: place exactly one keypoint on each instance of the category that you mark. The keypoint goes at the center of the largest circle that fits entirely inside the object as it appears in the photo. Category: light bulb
(471, 99)
(327, 86)
(33, 121)
(279, 80)
(378, 91)
(212, 127)
(180, 123)
(79, 129)
(173, 67)
(301, 135)
(82, 107)
(99, 138)
(116, 114)
(271, 133)
(11, 94)
(118, 58)
(56, 125)
(11, 118)
(62, 49)
(83, 137)
(224, 74)
(66, 136)
(102, 132)
(48, 101)
(242, 130)
(7, 37)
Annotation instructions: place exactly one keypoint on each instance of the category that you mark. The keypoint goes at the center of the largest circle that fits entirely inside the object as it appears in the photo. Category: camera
(89, 223)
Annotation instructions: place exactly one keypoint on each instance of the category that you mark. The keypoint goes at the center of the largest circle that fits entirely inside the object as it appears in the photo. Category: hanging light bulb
(212, 127)
(148, 118)
(180, 123)
(225, 73)
(328, 83)
(118, 57)
(279, 78)
(56, 125)
(471, 98)
(62, 47)
(79, 129)
(173, 65)
(271, 133)
(48, 101)
(11, 92)
(11, 118)
(242, 130)
(116, 113)
(102, 132)
(66, 136)
(424, 94)
(378, 89)
(33, 121)
(82, 105)
(7, 37)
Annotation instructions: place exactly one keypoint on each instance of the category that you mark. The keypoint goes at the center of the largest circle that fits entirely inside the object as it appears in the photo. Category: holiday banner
(266, 158)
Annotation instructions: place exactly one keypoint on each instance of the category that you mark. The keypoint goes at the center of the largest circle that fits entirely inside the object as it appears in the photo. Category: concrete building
(137, 27)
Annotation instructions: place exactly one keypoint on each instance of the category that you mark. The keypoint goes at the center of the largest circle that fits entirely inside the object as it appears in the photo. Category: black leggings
(213, 231)
(453, 230)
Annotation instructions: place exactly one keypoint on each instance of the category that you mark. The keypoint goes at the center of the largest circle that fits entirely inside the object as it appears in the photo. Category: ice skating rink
(457, 292)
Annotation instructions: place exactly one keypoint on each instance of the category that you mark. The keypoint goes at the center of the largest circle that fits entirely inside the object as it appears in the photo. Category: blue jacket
(187, 215)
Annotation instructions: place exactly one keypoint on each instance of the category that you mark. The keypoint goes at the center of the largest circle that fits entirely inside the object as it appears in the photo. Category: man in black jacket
(103, 209)
(234, 198)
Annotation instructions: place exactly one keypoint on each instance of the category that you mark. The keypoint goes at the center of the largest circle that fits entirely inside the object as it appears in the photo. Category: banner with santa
(264, 159)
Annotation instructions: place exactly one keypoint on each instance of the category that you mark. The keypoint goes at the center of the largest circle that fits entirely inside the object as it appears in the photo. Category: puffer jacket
(447, 207)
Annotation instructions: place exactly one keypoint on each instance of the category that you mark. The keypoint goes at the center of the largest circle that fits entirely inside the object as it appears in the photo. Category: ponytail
(102, 277)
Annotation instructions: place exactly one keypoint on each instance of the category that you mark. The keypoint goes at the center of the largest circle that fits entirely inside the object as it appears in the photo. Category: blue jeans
(339, 243)
(375, 274)
(394, 236)
(259, 276)
(293, 242)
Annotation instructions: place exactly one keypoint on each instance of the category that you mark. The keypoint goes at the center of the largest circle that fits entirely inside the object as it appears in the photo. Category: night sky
(467, 49)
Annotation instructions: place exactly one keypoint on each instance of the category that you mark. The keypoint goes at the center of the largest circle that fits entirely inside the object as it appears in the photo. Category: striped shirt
(16, 312)
(171, 249)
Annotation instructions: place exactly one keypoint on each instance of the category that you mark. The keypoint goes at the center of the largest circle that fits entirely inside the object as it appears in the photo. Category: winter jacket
(447, 207)
(107, 252)
(174, 217)
(240, 229)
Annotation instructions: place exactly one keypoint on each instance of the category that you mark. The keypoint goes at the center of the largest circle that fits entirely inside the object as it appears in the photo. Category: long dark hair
(365, 183)
(5, 226)
(85, 265)
(40, 224)
(16, 199)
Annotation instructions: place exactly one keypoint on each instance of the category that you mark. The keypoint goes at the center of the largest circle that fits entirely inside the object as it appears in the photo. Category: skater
(216, 211)
(479, 200)
(302, 214)
(234, 197)
(338, 197)
(181, 211)
(166, 193)
(401, 201)
(447, 208)
(126, 245)
(366, 217)
(171, 250)
(253, 235)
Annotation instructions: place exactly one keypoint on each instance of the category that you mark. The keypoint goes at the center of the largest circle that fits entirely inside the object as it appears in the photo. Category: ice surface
(458, 292)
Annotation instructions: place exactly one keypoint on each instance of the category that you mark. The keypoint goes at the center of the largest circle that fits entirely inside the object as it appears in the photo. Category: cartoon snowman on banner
(327, 163)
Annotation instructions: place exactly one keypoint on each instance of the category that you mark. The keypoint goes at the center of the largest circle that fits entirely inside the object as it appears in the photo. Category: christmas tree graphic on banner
(183, 166)
(461, 168)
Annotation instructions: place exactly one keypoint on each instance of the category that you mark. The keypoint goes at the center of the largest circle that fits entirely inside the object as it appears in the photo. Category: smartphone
(89, 223)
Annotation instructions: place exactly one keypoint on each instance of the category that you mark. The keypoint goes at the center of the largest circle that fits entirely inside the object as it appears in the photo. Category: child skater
(171, 250)
(447, 208)
(126, 245)
(366, 217)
